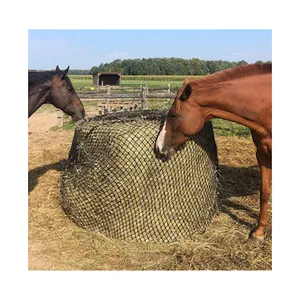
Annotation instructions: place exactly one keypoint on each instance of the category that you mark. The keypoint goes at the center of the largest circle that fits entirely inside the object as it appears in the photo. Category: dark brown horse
(53, 87)
(242, 95)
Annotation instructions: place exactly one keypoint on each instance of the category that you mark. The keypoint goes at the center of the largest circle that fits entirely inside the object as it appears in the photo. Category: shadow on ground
(36, 173)
(239, 182)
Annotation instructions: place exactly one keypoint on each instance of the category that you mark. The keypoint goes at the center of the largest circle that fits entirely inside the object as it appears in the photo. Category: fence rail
(92, 97)
(143, 94)
(109, 99)
(126, 89)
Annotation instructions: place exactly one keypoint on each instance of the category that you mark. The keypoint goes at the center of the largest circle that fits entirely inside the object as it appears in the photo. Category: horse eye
(172, 116)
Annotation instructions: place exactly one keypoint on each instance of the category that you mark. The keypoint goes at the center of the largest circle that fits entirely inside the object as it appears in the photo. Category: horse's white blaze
(161, 138)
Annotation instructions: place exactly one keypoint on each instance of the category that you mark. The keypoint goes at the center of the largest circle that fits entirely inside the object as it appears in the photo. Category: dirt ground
(56, 243)
(42, 122)
(47, 117)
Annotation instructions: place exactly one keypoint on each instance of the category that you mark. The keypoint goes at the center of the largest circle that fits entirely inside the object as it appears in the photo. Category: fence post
(144, 103)
(169, 91)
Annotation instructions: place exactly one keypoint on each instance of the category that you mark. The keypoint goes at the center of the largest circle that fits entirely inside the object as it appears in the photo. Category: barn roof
(108, 73)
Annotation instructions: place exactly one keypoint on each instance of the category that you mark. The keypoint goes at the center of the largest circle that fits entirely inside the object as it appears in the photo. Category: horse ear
(57, 69)
(64, 74)
(186, 81)
(186, 93)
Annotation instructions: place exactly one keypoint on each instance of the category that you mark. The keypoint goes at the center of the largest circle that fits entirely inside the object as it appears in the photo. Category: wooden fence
(115, 98)
(113, 95)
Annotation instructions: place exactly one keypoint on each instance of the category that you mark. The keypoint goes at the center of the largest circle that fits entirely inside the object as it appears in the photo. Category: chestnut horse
(54, 87)
(242, 95)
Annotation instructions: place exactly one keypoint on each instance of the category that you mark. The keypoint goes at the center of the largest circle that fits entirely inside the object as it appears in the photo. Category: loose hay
(113, 182)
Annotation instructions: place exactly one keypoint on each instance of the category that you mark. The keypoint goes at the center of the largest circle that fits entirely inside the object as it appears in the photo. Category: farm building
(106, 78)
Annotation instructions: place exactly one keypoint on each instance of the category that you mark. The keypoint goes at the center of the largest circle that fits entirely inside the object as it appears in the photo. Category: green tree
(165, 66)
(94, 70)
(241, 62)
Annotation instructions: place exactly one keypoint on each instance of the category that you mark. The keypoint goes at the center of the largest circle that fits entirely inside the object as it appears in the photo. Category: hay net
(113, 182)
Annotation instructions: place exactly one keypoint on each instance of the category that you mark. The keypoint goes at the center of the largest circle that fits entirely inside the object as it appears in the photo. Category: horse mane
(237, 72)
(39, 78)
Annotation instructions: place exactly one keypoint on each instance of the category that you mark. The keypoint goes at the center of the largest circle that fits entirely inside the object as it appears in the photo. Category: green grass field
(81, 83)
(227, 128)
(152, 83)
(85, 83)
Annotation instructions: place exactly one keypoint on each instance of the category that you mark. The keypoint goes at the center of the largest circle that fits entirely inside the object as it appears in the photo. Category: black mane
(39, 78)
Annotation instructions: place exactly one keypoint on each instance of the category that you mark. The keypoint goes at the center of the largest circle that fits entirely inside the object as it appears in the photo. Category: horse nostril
(156, 150)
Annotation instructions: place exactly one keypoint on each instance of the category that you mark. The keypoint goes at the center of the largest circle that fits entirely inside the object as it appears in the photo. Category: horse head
(64, 96)
(182, 121)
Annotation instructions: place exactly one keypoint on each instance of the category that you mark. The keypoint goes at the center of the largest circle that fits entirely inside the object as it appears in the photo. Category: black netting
(114, 183)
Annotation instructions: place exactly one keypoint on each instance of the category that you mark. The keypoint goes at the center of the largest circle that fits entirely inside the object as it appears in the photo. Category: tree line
(166, 66)
(161, 66)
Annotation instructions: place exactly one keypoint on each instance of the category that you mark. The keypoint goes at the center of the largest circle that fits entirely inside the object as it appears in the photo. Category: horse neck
(234, 101)
(37, 96)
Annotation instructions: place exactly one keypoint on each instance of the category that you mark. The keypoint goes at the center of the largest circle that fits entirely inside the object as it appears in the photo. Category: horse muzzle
(162, 151)
(78, 116)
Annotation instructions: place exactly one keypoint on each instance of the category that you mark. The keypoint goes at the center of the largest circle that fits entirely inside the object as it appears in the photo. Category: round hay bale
(113, 182)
